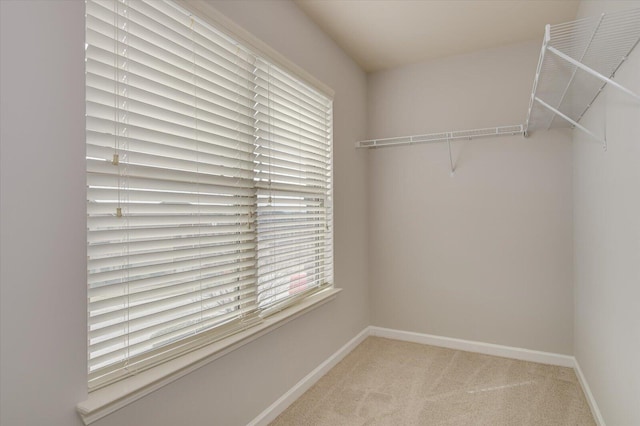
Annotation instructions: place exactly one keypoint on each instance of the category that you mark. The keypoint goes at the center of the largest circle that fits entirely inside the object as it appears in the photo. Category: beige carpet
(388, 382)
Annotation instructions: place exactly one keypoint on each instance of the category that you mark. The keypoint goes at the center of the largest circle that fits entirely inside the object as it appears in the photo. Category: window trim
(106, 400)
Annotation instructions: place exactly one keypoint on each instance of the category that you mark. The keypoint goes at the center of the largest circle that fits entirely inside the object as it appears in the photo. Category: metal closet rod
(443, 136)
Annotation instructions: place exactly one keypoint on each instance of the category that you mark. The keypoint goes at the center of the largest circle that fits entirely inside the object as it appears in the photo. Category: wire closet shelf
(442, 136)
(578, 59)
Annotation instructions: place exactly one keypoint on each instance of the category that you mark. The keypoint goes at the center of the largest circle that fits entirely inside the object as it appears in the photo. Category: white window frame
(111, 397)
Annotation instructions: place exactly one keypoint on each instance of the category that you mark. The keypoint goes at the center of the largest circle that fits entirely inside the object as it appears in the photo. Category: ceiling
(382, 34)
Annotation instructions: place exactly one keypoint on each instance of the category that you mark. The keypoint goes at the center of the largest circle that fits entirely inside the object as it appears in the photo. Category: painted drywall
(607, 242)
(42, 213)
(43, 352)
(485, 254)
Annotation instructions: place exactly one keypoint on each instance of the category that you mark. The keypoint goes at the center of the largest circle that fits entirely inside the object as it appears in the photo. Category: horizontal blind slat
(141, 318)
(107, 263)
(203, 151)
(197, 165)
(118, 290)
(162, 173)
(145, 72)
(140, 347)
(273, 152)
(180, 127)
(161, 106)
(140, 39)
(243, 149)
(143, 247)
(131, 273)
(107, 305)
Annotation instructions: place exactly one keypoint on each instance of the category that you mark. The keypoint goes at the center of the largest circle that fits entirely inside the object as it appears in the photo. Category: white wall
(42, 271)
(43, 230)
(607, 243)
(486, 254)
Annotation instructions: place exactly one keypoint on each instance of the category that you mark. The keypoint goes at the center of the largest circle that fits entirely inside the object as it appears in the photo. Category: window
(209, 186)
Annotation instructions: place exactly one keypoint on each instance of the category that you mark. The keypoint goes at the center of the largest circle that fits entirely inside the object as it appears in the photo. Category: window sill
(105, 401)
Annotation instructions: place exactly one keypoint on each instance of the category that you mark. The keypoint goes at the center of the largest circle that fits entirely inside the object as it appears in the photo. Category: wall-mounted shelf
(578, 59)
(442, 137)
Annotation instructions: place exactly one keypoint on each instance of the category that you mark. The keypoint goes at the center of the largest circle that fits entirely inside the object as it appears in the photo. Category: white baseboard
(498, 350)
(309, 380)
(478, 347)
(274, 410)
(595, 411)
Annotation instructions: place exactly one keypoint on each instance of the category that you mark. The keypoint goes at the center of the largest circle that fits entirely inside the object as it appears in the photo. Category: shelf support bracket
(453, 170)
(575, 71)
(592, 72)
(534, 91)
(573, 122)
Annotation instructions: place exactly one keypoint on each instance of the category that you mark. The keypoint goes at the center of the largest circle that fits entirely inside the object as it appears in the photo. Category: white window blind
(208, 186)
(293, 180)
